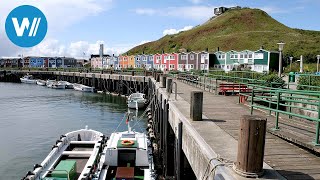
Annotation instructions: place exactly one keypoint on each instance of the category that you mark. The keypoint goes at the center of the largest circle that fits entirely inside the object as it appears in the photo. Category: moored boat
(57, 85)
(73, 157)
(41, 82)
(136, 101)
(50, 83)
(83, 88)
(66, 84)
(128, 155)
(28, 79)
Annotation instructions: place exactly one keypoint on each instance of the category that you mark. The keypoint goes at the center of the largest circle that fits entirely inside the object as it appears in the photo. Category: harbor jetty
(197, 134)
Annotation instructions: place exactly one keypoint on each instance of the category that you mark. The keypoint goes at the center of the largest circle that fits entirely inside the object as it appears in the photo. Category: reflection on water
(33, 117)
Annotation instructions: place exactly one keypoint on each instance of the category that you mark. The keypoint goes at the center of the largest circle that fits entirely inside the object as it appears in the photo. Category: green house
(259, 61)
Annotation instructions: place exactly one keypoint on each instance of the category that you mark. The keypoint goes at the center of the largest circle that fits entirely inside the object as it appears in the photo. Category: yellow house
(131, 61)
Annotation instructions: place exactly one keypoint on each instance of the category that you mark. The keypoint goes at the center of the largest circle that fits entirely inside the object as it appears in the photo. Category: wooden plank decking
(288, 159)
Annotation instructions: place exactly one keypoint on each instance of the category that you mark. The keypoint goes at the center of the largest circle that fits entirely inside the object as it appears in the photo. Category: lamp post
(291, 62)
(318, 58)
(281, 44)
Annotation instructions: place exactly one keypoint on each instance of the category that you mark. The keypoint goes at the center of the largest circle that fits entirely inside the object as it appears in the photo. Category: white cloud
(176, 31)
(60, 13)
(198, 13)
(53, 47)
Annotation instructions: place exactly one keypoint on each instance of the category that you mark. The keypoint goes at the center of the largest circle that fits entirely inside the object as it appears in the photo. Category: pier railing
(267, 96)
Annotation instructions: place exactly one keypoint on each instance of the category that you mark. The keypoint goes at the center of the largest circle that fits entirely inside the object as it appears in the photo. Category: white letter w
(25, 25)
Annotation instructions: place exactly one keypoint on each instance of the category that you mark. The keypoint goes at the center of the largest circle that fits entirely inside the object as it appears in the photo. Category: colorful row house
(11, 62)
(259, 61)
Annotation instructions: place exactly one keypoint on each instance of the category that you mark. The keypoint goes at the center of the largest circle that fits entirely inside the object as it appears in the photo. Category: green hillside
(239, 30)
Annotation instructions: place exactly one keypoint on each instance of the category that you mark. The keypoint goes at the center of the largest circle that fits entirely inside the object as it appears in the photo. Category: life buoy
(127, 142)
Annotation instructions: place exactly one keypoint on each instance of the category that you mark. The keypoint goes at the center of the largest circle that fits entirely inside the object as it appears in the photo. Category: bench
(234, 88)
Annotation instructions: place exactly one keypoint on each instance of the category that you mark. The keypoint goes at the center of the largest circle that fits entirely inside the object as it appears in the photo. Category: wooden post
(169, 85)
(164, 81)
(251, 146)
(196, 105)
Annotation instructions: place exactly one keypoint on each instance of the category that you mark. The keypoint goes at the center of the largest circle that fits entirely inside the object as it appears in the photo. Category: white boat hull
(41, 83)
(28, 81)
(63, 148)
(83, 88)
(136, 104)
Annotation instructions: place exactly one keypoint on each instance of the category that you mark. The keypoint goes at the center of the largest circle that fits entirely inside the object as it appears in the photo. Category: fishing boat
(28, 79)
(73, 157)
(41, 82)
(83, 88)
(136, 101)
(66, 84)
(128, 155)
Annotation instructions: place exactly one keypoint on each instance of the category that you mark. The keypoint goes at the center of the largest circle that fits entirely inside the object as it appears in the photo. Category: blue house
(59, 62)
(150, 62)
(52, 63)
(116, 62)
(36, 62)
(137, 61)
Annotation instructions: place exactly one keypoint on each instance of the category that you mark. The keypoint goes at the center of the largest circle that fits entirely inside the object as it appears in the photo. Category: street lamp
(290, 62)
(281, 44)
(318, 57)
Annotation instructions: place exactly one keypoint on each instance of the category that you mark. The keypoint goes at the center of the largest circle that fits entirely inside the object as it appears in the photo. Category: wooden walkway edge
(288, 159)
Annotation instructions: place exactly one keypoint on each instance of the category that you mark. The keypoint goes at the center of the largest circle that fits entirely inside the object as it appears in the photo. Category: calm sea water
(33, 117)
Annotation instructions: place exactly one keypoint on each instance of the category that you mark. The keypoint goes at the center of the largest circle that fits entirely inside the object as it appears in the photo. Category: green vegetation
(239, 30)
(310, 82)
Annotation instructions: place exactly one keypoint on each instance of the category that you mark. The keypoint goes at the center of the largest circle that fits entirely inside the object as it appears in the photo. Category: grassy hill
(239, 30)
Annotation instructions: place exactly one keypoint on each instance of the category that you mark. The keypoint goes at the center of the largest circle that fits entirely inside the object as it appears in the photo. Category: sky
(77, 27)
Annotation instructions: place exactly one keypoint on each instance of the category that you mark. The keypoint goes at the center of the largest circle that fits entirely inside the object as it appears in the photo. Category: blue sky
(77, 26)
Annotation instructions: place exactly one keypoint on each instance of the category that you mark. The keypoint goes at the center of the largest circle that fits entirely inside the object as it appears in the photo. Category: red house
(169, 61)
(157, 61)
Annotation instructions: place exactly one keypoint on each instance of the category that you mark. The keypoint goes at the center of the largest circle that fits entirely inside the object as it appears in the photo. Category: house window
(171, 66)
(241, 56)
(223, 56)
(184, 57)
(250, 55)
(191, 57)
(191, 66)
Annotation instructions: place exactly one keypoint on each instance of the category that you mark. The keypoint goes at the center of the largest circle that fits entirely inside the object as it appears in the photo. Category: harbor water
(33, 117)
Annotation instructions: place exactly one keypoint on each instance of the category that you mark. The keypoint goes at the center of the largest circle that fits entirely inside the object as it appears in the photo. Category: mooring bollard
(164, 81)
(196, 105)
(251, 146)
(169, 85)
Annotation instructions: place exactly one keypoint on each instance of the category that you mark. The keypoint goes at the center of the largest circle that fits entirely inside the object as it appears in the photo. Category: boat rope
(223, 162)
(124, 117)
(143, 114)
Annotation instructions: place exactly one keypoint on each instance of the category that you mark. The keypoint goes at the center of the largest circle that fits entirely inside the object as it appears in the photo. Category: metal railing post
(316, 143)
(290, 108)
(252, 95)
(277, 112)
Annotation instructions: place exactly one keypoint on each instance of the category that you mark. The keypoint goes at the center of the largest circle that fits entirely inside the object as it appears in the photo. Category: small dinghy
(74, 157)
(136, 101)
(83, 88)
(41, 83)
(50, 83)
